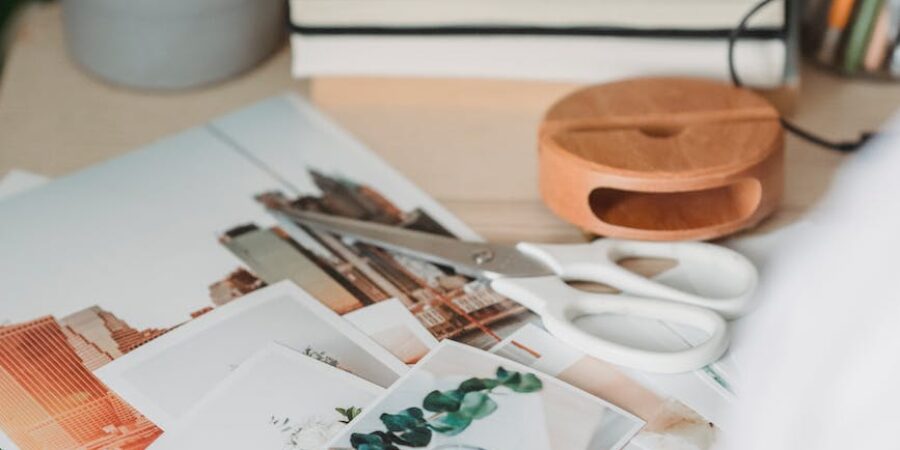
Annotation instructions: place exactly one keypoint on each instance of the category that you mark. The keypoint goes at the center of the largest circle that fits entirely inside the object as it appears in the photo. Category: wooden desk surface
(469, 143)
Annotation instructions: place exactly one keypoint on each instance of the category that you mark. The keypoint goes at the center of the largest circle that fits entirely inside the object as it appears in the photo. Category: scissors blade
(476, 259)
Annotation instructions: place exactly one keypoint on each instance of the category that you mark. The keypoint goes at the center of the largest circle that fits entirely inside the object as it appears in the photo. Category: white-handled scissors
(535, 274)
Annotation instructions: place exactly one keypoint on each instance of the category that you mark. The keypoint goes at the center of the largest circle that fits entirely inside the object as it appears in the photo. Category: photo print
(670, 423)
(278, 399)
(461, 397)
(166, 377)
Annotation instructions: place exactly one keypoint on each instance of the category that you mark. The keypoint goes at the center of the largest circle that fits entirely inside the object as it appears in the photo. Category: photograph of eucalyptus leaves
(462, 398)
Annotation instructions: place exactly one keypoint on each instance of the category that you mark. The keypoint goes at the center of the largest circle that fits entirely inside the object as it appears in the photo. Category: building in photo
(50, 398)
(350, 275)
(49, 395)
(238, 283)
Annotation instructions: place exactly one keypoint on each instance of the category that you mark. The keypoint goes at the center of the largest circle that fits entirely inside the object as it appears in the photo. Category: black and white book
(571, 40)
(529, 16)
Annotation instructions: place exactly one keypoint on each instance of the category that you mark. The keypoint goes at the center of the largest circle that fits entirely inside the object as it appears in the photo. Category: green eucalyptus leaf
(386, 437)
(419, 436)
(519, 382)
(408, 427)
(474, 405)
(437, 401)
(357, 439)
(451, 424)
(456, 409)
(513, 379)
(473, 384)
(376, 440)
(404, 420)
(527, 383)
(477, 405)
(414, 412)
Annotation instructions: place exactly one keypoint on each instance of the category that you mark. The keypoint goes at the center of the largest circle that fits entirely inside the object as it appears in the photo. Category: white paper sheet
(165, 378)
(277, 399)
(17, 181)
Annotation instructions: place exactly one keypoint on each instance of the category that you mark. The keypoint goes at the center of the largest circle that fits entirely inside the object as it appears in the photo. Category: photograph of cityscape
(349, 276)
(50, 395)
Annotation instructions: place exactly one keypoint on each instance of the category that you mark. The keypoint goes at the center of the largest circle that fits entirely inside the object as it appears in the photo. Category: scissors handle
(559, 305)
(728, 279)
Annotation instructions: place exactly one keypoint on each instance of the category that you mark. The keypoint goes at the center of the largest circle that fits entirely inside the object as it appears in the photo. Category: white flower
(663, 441)
(314, 434)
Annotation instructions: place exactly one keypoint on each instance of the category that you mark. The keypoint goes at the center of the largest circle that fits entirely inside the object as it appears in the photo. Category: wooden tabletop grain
(469, 143)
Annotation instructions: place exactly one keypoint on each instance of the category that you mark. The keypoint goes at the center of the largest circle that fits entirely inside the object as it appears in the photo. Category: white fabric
(822, 354)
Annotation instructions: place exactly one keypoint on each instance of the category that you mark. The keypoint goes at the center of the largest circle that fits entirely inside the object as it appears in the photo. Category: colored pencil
(859, 33)
(838, 17)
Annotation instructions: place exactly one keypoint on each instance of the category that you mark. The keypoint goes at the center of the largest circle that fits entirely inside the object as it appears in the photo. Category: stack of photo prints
(164, 300)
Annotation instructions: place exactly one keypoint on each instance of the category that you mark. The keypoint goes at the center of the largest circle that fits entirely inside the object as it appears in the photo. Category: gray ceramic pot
(171, 44)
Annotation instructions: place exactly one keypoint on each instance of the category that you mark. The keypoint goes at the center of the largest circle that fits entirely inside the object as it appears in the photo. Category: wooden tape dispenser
(662, 159)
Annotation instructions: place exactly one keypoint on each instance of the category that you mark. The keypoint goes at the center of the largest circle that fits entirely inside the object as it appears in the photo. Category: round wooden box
(662, 159)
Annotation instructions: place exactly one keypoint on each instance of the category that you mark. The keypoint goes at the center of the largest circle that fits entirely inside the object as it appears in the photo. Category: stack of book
(856, 36)
(571, 40)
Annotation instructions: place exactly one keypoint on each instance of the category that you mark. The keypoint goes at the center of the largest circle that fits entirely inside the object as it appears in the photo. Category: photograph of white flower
(278, 399)
(166, 377)
(460, 397)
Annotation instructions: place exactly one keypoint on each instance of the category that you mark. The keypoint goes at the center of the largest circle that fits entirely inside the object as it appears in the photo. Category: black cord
(844, 146)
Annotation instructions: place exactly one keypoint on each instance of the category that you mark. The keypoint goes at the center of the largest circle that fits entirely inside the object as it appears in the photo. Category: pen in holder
(854, 37)
(662, 159)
